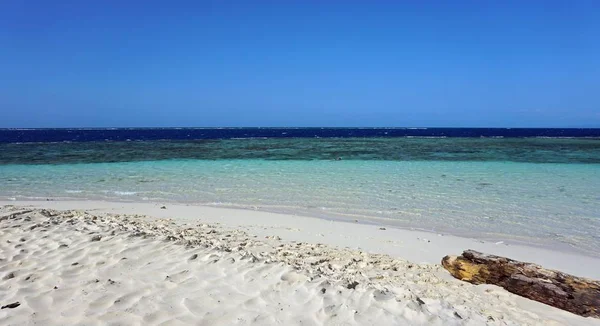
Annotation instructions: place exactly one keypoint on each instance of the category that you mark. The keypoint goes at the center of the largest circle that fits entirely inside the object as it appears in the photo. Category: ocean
(535, 186)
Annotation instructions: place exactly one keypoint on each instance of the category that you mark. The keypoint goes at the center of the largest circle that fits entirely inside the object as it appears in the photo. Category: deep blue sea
(535, 186)
(130, 134)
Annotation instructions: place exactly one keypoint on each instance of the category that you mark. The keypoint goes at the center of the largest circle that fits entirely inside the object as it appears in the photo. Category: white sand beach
(97, 263)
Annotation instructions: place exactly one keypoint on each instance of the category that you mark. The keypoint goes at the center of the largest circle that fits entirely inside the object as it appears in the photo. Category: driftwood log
(578, 295)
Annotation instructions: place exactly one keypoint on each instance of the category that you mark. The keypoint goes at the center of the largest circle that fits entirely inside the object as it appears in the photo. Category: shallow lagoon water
(541, 191)
(552, 204)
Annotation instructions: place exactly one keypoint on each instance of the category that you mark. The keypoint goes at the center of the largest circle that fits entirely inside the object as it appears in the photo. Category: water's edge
(362, 220)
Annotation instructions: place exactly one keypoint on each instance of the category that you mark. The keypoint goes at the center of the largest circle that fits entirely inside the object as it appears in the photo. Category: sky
(299, 63)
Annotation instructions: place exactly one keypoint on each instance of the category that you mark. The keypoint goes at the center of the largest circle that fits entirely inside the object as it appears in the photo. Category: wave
(428, 137)
(125, 193)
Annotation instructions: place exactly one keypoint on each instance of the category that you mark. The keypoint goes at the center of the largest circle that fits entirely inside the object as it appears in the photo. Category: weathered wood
(578, 295)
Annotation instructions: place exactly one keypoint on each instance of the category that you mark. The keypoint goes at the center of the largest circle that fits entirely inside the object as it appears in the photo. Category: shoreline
(503, 239)
(418, 246)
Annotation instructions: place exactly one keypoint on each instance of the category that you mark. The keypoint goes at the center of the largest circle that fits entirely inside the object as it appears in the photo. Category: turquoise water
(549, 204)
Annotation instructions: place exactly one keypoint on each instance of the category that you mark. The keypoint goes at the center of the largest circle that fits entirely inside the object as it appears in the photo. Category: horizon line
(286, 127)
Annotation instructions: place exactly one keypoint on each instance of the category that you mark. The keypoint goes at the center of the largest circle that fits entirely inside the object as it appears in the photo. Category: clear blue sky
(299, 63)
